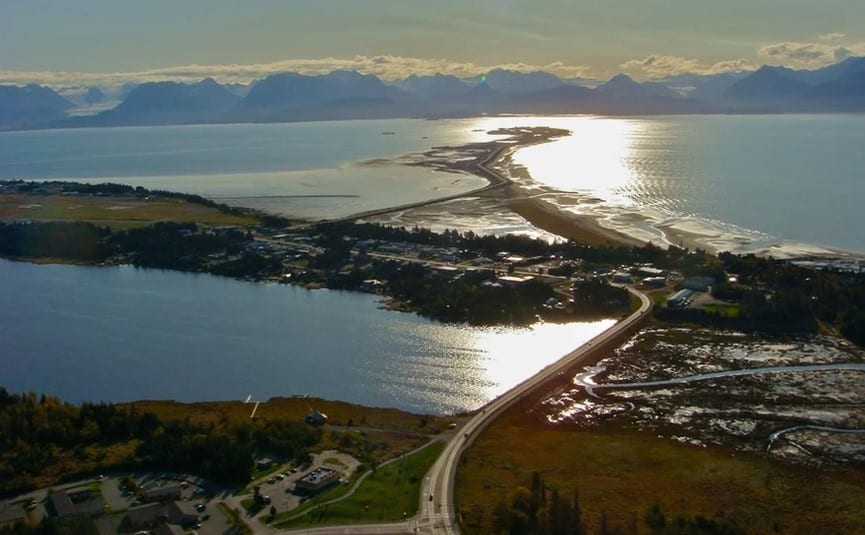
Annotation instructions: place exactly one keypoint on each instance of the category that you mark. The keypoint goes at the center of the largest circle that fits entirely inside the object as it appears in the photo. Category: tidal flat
(797, 398)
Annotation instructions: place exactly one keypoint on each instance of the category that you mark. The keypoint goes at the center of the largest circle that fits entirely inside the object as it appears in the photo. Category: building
(168, 529)
(9, 514)
(680, 299)
(316, 418)
(162, 494)
(512, 281)
(146, 516)
(698, 284)
(182, 513)
(447, 272)
(76, 503)
(648, 271)
(316, 480)
(622, 277)
(151, 515)
(264, 463)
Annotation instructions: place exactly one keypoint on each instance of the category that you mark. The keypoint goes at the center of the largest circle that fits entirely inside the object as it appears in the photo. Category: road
(438, 515)
(496, 180)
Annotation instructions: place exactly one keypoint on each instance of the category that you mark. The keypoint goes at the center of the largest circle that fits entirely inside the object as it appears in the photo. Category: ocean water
(310, 170)
(121, 333)
(784, 184)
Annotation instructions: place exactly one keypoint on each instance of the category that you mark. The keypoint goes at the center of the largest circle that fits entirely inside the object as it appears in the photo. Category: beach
(503, 195)
(515, 202)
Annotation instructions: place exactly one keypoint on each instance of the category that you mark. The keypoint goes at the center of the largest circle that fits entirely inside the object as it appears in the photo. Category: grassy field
(370, 434)
(296, 408)
(383, 496)
(621, 472)
(659, 297)
(117, 212)
(723, 309)
(377, 434)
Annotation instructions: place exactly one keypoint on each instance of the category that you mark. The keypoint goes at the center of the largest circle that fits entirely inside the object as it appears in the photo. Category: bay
(122, 334)
(778, 184)
(782, 184)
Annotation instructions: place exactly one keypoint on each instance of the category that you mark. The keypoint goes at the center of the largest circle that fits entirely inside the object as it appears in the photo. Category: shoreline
(504, 188)
(500, 187)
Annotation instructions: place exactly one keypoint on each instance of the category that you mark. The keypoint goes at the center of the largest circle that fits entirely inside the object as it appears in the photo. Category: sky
(103, 41)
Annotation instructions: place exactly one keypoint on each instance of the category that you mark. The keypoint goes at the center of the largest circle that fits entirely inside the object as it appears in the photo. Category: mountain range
(350, 95)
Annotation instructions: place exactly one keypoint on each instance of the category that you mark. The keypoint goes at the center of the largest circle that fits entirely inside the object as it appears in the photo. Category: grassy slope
(624, 471)
(296, 408)
(390, 430)
(382, 497)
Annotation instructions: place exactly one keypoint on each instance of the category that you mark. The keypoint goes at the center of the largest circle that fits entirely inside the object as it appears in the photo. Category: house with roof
(316, 480)
(9, 514)
(181, 513)
(71, 504)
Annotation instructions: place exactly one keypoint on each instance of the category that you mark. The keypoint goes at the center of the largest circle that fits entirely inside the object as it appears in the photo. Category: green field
(384, 496)
(723, 309)
(117, 212)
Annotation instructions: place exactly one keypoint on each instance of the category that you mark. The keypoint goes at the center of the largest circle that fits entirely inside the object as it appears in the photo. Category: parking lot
(279, 486)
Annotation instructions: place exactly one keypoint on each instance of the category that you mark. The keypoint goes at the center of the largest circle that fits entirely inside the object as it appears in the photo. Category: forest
(38, 433)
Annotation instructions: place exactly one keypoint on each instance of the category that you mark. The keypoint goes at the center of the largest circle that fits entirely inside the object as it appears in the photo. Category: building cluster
(166, 510)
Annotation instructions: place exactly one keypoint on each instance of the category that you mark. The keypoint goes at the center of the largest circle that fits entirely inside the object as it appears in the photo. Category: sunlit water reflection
(117, 334)
(787, 185)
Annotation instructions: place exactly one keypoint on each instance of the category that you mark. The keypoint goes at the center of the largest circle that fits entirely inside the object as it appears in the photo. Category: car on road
(200, 507)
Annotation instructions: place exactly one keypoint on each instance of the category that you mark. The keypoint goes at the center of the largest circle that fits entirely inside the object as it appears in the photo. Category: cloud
(844, 52)
(831, 37)
(807, 54)
(387, 67)
(811, 55)
(660, 66)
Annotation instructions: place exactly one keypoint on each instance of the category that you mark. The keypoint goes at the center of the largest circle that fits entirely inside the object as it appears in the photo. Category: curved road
(437, 514)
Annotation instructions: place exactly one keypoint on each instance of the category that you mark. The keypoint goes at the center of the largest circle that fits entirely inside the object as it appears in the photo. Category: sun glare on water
(593, 159)
(515, 355)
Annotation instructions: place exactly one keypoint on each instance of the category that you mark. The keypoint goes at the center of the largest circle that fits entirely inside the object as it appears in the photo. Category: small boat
(388, 133)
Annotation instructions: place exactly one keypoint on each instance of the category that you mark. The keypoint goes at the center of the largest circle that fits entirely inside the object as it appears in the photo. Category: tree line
(773, 295)
(36, 433)
(539, 509)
